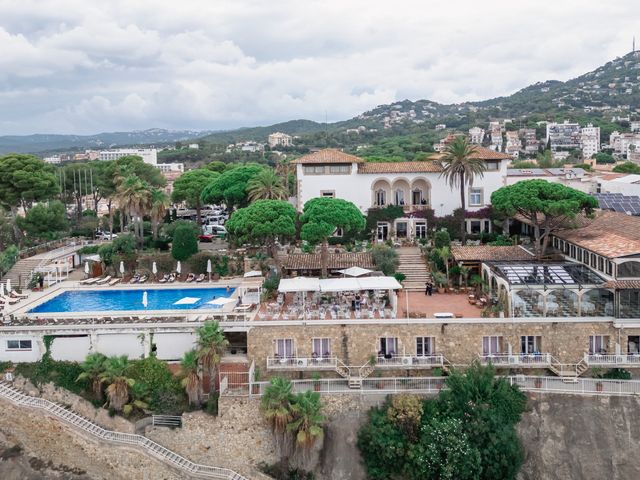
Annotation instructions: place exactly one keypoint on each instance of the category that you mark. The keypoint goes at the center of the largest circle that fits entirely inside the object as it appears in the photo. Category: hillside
(292, 127)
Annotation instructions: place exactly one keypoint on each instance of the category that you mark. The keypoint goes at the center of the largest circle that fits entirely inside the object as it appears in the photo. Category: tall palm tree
(307, 419)
(266, 185)
(460, 170)
(210, 345)
(191, 380)
(159, 202)
(134, 197)
(444, 253)
(118, 383)
(276, 404)
(92, 369)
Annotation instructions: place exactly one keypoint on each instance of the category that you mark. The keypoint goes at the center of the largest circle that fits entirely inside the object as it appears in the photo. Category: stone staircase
(414, 267)
(145, 444)
(20, 273)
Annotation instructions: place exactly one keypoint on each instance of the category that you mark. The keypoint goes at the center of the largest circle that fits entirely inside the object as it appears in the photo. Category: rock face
(584, 438)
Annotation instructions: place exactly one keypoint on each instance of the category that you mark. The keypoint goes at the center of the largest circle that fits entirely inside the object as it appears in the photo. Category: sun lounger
(9, 300)
(104, 280)
(200, 278)
(135, 279)
(164, 279)
(15, 294)
(114, 281)
(172, 278)
(89, 281)
(190, 278)
(143, 279)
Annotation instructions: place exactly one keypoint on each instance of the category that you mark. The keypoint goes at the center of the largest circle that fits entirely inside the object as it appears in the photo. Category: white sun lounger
(89, 281)
(113, 282)
(104, 280)
(18, 295)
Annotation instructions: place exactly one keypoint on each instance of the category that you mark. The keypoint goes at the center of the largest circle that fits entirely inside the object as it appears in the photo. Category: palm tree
(460, 170)
(307, 419)
(191, 381)
(266, 185)
(134, 197)
(276, 404)
(140, 395)
(159, 203)
(444, 253)
(115, 376)
(92, 369)
(210, 345)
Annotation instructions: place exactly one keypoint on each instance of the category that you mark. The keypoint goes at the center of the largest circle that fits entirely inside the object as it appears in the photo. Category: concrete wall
(460, 343)
(73, 349)
(10, 355)
(172, 346)
(129, 344)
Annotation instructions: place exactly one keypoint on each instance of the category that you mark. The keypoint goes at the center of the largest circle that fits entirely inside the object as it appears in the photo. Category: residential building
(53, 160)
(476, 135)
(149, 155)
(279, 139)
(622, 183)
(635, 126)
(416, 186)
(514, 145)
(571, 177)
(563, 135)
(170, 167)
(531, 143)
(495, 132)
(194, 146)
(590, 141)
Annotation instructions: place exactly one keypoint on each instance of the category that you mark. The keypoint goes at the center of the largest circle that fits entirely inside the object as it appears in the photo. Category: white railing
(577, 386)
(410, 361)
(540, 360)
(166, 420)
(150, 447)
(302, 363)
(621, 359)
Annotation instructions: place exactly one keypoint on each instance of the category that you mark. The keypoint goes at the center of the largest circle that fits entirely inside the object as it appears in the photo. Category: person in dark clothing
(426, 288)
(429, 288)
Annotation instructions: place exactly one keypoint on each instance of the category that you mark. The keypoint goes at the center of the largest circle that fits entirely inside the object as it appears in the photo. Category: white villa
(416, 186)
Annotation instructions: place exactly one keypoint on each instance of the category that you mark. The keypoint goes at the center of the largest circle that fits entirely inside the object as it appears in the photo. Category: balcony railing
(302, 363)
(534, 360)
(410, 361)
(621, 359)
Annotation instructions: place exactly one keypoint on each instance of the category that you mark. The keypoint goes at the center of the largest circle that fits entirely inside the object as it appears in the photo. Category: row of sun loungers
(108, 280)
(12, 298)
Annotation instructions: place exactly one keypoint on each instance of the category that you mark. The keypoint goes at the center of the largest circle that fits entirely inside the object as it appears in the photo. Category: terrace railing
(302, 363)
(540, 360)
(148, 446)
(410, 361)
(613, 360)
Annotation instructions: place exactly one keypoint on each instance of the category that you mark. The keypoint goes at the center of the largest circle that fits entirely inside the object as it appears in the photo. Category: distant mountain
(292, 127)
(39, 143)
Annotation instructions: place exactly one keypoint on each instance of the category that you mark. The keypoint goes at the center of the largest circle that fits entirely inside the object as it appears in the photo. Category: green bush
(185, 243)
(62, 374)
(442, 239)
(8, 258)
(89, 250)
(167, 395)
(385, 258)
(169, 230)
(198, 262)
(400, 277)
(617, 374)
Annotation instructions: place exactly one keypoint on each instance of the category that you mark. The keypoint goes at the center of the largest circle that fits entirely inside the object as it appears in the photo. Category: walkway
(412, 264)
(427, 306)
(148, 446)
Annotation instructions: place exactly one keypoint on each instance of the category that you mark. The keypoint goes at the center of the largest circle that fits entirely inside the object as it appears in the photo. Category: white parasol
(179, 267)
(145, 299)
(122, 268)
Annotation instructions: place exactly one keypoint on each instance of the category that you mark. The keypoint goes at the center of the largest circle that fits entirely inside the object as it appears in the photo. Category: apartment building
(476, 135)
(514, 145)
(495, 133)
(279, 139)
(563, 135)
(148, 155)
(590, 141)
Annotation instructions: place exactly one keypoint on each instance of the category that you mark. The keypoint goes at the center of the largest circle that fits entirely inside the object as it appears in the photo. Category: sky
(89, 66)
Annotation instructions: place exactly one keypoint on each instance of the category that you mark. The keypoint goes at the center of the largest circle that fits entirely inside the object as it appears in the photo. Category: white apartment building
(279, 139)
(53, 160)
(624, 143)
(563, 135)
(476, 135)
(416, 186)
(149, 155)
(170, 167)
(635, 126)
(590, 141)
(514, 145)
(496, 136)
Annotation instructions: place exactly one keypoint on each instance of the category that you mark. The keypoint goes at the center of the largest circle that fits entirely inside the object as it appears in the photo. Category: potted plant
(316, 381)
(441, 281)
(380, 382)
(599, 387)
(538, 383)
(373, 360)
(598, 373)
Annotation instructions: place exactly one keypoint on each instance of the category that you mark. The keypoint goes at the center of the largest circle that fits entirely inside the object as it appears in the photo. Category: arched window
(629, 270)
(399, 196)
(381, 198)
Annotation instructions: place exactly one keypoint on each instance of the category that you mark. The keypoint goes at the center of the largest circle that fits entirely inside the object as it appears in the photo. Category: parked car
(206, 237)
(105, 236)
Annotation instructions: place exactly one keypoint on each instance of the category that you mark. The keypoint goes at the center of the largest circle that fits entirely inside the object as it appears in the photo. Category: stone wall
(460, 343)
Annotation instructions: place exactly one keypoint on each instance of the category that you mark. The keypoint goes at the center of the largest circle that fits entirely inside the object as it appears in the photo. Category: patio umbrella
(86, 268)
(355, 271)
(2, 289)
(122, 268)
(8, 286)
(209, 268)
(145, 299)
(179, 267)
(154, 270)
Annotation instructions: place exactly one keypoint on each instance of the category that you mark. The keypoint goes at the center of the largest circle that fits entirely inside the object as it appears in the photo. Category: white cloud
(71, 66)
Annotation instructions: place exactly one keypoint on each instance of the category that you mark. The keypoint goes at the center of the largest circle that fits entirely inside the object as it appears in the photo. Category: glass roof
(547, 274)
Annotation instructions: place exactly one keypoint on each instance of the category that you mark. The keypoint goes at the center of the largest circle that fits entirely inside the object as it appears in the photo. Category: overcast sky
(88, 66)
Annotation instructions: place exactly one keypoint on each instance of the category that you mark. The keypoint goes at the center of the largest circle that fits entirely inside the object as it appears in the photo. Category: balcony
(410, 361)
(539, 360)
(620, 360)
(301, 363)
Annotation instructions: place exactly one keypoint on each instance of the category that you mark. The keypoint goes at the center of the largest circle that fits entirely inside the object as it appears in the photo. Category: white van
(214, 230)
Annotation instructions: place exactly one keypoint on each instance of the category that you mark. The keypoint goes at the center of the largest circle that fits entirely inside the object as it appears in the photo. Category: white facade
(170, 167)
(590, 141)
(476, 135)
(563, 135)
(54, 160)
(627, 185)
(513, 144)
(279, 139)
(149, 155)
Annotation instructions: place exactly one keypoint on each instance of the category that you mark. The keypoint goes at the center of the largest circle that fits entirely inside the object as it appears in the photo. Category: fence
(166, 421)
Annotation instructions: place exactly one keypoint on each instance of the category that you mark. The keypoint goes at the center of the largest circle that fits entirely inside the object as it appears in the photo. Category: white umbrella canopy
(222, 301)
(179, 267)
(122, 268)
(154, 268)
(2, 289)
(253, 273)
(145, 299)
(209, 269)
(8, 286)
(355, 271)
(86, 268)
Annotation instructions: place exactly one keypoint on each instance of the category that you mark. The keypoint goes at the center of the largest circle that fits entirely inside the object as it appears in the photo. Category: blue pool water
(122, 300)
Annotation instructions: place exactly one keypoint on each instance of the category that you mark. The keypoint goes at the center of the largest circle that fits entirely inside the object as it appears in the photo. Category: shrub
(185, 243)
(617, 374)
(8, 258)
(442, 239)
(89, 250)
(385, 258)
(400, 277)
(169, 230)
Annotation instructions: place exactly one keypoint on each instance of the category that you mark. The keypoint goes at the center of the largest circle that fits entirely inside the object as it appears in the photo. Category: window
(629, 270)
(601, 264)
(284, 348)
(399, 197)
(18, 344)
(425, 346)
(388, 347)
(421, 230)
(530, 344)
(491, 345)
(609, 268)
(487, 226)
(321, 348)
(492, 166)
(572, 251)
(381, 198)
(313, 169)
(475, 196)
(401, 229)
(417, 198)
(598, 344)
(475, 226)
(339, 232)
(633, 344)
(328, 193)
(340, 169)
(593, 260)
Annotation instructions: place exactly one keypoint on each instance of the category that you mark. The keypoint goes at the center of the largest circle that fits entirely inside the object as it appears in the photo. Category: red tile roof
(623, 284)
(610, 234)
(400, 167)
(483, 253)
(313, 261)
(328, 155)
(481, 153)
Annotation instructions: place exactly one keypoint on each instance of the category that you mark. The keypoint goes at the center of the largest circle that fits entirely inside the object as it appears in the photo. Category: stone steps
(413, 266)
(20, 273)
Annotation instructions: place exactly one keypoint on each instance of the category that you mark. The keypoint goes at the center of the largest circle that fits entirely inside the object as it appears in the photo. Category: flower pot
(599, 387)
(440, 289)
(538, 383)
(316, 387)
(255, 389)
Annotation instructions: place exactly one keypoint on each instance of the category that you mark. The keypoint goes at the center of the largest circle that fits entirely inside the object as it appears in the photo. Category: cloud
(71, 66)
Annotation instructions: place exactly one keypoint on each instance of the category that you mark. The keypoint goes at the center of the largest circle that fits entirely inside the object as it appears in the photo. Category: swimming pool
(123, 300)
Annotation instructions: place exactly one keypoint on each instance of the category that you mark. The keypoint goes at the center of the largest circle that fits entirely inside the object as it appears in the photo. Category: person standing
(429, 288)
(426, 288)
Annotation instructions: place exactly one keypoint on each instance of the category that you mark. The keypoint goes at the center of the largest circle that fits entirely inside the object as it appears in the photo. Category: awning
(299, 284)
(253, 273)
(339, 285)
(379, 283)
(306, 284)
(355, 271)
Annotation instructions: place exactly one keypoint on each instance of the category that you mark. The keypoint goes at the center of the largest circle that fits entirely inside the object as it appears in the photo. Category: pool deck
(23, 307)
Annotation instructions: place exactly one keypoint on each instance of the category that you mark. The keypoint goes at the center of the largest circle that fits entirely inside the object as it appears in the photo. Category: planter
(538, 383)
(379, 385)
(316, 387)
(599, 387)
(440, 289)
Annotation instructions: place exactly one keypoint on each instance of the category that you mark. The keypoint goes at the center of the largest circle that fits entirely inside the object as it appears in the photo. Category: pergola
(535, 289)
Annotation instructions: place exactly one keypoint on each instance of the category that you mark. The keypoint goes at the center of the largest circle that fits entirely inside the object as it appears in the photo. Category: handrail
(149, 446)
